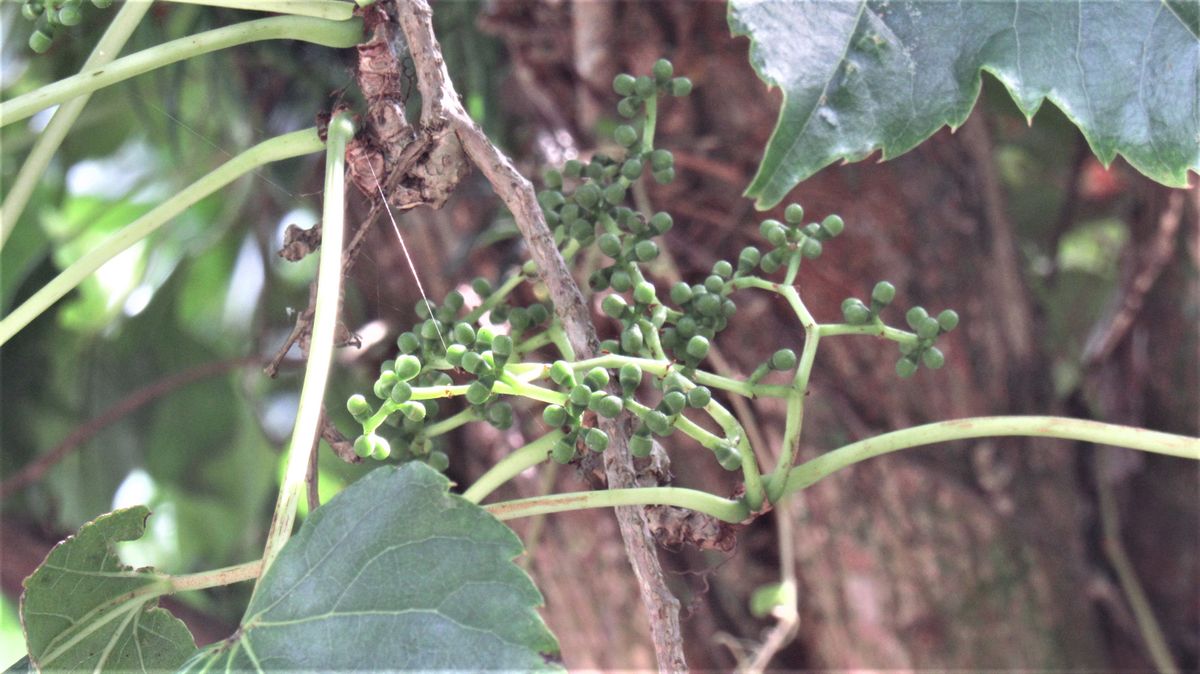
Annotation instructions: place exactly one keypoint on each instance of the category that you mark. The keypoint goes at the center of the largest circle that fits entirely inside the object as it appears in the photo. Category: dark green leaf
(84, 610)
(394, 573)
(874, 74)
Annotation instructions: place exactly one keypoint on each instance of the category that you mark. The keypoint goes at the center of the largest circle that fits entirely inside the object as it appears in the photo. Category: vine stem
(1096, 432)
(290, 145)
(723, 509)
(512, 465)
(320, 354)
(48, 141)
(323, 9)
(336, 34)
(215, 578)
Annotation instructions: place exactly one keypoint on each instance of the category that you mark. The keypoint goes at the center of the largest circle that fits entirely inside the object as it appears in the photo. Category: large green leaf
(394, 573)
(84, 610)
(859, 76)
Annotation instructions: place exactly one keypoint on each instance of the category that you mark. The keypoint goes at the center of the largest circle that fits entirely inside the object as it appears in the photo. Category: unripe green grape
(697, 347)
(596, 439)
(783, 359)
(563, 451)
(380, 449)
(947, 320)
(455, 353)
(658, 423)
(883, 293)
(430, 329)
(580, 396)
(440, 379)
(686, 327)
(660, 160)
(438, 461)
(664, 176)
(407, 367)
(906, 368)
(774, 232)
(358, 407)
(587, 195)
(582, 230)
(623, 84)
(771, 262)
(794, 214)
(538, 314)
(561, 373)
(632, 169)
(625, 135)
(643, 292)
(554, 415)
(723, 269)
(643, 86)
(401, 392)
(928, 328)
(714, 284)
(414, 410)
(32, 10)
(674, 380)
(645, 250)
(609, 346)
(640, 446)
(454, 301)
(102, 4)
(681, 86)
(811, 249)
(933, 358)
(833, 225)
(610, 406)
(728, 309)
(613, 305)
(812, 229)
(595, 400)
(632, 339)
(596, 378)
(681, 293)
(408, 342)
(728, 456)
(42, 38)
(500, 415)
(502, 345)
(708, 305)
(661, 222)
(518, 318)
(383, 385)
(628, 107)
(484, 337)
(573, 168)
(699, 397)
(472, 362)
(362, 446)
(630, 376)
(551, 200)
(915, 317)
(620, 280)
(614, 193)
(69, 15)
(553, 179)
(662, 70)
(855, 312)
(478, 393)
(673, 402)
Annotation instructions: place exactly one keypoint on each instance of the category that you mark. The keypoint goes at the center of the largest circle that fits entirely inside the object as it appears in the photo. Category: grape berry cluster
(453, 352)
(50, 15)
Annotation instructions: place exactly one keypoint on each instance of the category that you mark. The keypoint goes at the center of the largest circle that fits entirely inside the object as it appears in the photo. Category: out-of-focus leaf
(394, 573)
(879, 74)
(83, 609)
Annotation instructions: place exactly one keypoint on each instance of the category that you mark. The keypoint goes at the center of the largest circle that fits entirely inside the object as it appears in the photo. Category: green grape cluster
(51, 15)
(638, 90)
(926, 328)
(585, 395)
(790, 241)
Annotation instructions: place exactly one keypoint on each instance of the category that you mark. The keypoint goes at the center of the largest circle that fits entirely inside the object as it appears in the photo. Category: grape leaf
(394, 573)
(884, 74)
(84, 610)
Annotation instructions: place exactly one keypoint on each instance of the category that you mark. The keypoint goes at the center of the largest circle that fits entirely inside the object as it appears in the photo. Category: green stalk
(692, 499)
(320, 352)
(215, 578)
(794, 423)
(876, 329)
(49, 140)
(337, 34)
(512, 465)
(651, 122)
(290, 145)
(323, 9)
(1095, 432)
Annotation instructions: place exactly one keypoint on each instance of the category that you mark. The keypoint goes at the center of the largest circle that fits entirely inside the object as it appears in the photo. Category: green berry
(482, 287)
(623, 84)
(697, 347)
(551, 200)
(472, 362)
(723, 269)
(407, 367)
(661, 222)
(933, 358)
(413, 410)
(664, 176)
(640, 445)
(662, 70)
(681, 293)
(430, 329)
(102, 4)
(554, 415)
(774, 232)
(658, 423)
(833, 225)
(855, 312)
(883, 294)
(630, 376)
(699, 396)
(580, 396)
(673, 402)
(438, 461)
(502, 345)
(632, 339)
(714, 284)
(614, 194)
(681, 86)
(587, 195)
(631, 169)
(609, 346)
(610, 406)
(553, 179)
(595, 400)
(628, 107)
(643, 292)
(643, 86)
(728, 456)
(598, 281)
(401, 392)
(610, 245)
(620, 280)
(69, 15)
(596, 378)
(928, 328)
(383, 385)
(563, 451)
(748, 259)
(947, 320)
(380, 449)
(771, 262)
(484, 336)
(596, 440)
(614, 305)
(500, 415)
(661, 160)
(625, 135)
(31, 11)
(915, 317)
(906, 368)
(572, 168)
(42, 38)
(362, 446)
(811, 249)
(783, 359)
(794, 214)
(645, 250)
(709, 305)
(358, 407)
(478, 393)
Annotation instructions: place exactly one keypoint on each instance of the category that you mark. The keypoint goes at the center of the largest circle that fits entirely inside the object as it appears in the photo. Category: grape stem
(723, 509)
(512, 465)
(336, 34)
(322, 9)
